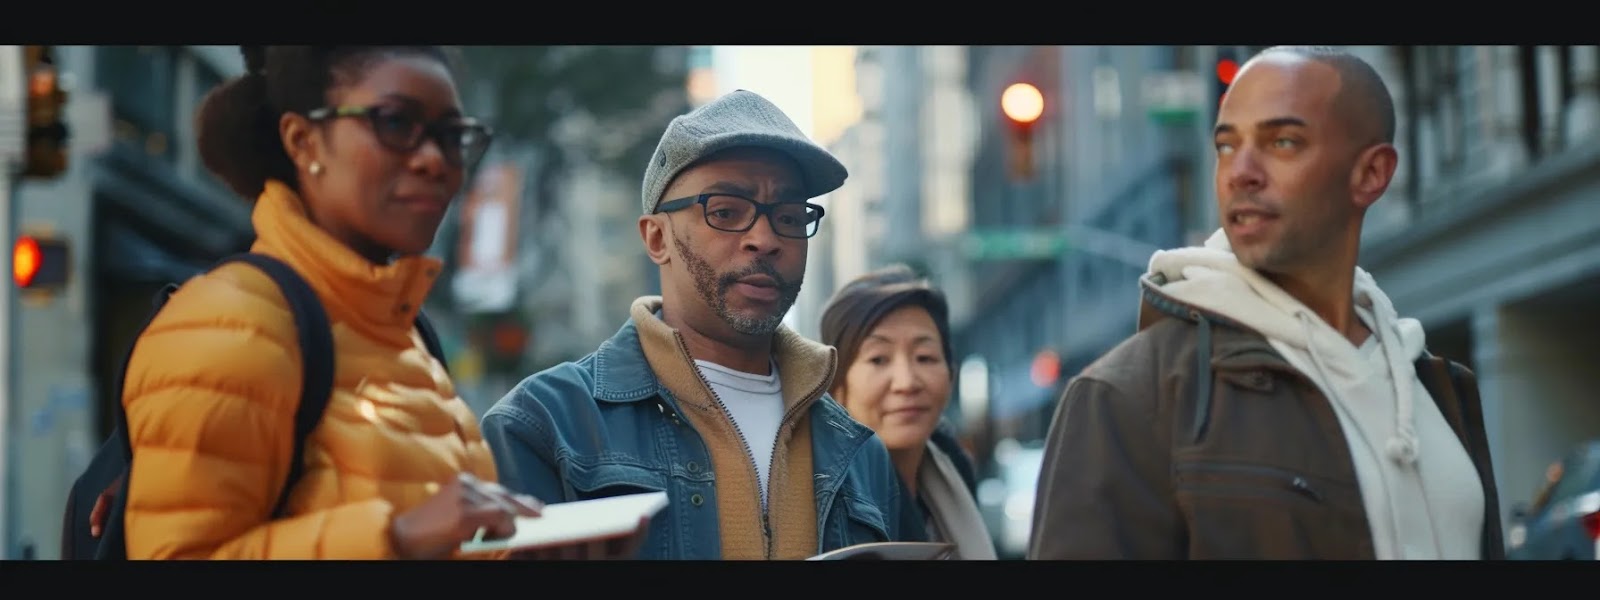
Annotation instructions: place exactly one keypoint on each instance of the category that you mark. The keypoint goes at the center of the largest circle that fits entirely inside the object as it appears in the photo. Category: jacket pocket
(589, 482)
(605, 480)
(1243, 480)
(1238, 510)
(863, 523)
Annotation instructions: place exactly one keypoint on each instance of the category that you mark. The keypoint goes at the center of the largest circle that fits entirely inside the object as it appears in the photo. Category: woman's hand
(455, 513)
(102, 505)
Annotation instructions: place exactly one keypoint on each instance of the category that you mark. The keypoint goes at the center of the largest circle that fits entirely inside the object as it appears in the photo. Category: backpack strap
(316, 355)
(315, 336)
(108, 465)
(430, 338)
(1454, 389)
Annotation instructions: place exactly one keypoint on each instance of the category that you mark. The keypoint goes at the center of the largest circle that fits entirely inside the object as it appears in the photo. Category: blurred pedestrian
(703, 392)
(892, 331)
(1273, 405)
(351, 154)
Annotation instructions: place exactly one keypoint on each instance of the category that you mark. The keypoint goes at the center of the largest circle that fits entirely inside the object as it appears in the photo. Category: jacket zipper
(1289, 480)
(761, 490)
(785, 421)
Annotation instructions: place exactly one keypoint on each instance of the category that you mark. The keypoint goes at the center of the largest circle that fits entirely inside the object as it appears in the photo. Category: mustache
(1251, 201)
(758, 267)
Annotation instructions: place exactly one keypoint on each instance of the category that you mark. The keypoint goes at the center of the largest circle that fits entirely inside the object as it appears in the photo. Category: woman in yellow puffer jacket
(352, 155)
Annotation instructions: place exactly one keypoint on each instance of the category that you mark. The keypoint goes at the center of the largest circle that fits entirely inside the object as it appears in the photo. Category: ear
(1374, 169)
(653, 230)
(296, 131)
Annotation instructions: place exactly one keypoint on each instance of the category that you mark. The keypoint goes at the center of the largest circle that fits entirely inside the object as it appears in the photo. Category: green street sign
(1173, 116)
(1015, 244)
(1173, 97)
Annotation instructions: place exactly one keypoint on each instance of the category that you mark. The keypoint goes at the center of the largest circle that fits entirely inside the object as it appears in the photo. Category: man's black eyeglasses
(737, 214)
(462, 140)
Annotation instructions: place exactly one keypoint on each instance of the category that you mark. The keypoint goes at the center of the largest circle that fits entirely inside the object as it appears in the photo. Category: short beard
(713, 289)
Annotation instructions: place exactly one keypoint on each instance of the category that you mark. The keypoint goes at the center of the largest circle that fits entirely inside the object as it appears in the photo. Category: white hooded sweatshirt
(1422, 494)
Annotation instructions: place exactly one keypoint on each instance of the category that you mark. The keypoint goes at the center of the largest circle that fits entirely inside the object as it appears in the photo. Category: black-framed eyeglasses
(462, 140)
(737, 214)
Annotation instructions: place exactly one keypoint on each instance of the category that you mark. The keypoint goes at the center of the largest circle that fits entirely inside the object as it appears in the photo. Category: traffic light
(503, 338)
(47, 128)
(39, 262)
(1227, 67)
(1046, 368)
(1022, 104)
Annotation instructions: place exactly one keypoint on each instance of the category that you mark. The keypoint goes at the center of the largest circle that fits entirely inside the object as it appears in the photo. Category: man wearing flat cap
(704, 393)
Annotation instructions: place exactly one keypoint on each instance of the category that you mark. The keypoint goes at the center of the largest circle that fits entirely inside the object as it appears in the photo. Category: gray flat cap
(739, 118)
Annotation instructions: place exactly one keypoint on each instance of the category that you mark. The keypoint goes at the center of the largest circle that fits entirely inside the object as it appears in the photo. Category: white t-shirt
(756, 404)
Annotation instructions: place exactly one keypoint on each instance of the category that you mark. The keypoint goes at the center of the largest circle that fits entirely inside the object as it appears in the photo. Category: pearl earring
(316, 168)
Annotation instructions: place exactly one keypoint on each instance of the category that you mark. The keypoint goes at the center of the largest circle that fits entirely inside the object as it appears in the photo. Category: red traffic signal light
(25, 261)
(39, 262)
(1022, 104)
(1046, 368)
(1226, 70)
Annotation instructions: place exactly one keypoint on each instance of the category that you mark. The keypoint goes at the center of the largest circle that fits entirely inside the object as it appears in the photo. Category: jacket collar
(646, 354)
(1234, 345)
(379, 300)
(624, 373)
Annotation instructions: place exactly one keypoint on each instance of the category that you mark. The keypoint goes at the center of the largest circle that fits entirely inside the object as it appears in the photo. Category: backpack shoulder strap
(1454, 389)
(316, 354)
(1434, 373)
(430, 338)
(111, 466)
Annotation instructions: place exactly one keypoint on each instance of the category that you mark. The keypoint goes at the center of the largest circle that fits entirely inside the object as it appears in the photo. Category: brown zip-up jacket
(1141, 463)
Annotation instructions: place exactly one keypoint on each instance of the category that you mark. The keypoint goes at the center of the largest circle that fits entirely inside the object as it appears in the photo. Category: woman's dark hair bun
(255, 59)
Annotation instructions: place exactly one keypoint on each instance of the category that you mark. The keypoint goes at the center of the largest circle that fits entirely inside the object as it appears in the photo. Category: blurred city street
(1031, 183)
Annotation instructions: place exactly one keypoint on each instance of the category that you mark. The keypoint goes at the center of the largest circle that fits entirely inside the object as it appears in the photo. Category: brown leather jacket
(1141, 464)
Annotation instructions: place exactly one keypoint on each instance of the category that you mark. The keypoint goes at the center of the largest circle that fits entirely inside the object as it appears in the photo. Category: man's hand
(619, 548)
(102, 505)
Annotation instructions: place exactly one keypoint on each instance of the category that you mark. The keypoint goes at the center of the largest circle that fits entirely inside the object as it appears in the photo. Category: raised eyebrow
(1277, 122)
(1273, 123)
(728, 187)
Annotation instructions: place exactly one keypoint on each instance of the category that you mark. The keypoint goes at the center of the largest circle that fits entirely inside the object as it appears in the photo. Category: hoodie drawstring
(1402, 444)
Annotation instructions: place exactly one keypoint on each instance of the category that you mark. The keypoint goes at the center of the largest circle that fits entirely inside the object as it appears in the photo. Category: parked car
(1563, 521)
(1006, 500)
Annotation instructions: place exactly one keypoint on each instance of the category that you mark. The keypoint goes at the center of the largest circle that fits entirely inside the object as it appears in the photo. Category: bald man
(1272, 404)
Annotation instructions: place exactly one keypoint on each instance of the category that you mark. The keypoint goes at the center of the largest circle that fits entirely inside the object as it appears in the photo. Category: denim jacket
(607, 425)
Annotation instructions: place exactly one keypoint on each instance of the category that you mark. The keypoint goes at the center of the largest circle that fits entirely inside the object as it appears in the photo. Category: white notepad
(573, 522)
(891, 551)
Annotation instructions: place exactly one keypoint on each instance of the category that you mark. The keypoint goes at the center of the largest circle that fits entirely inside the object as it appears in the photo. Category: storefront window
(142, 84)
